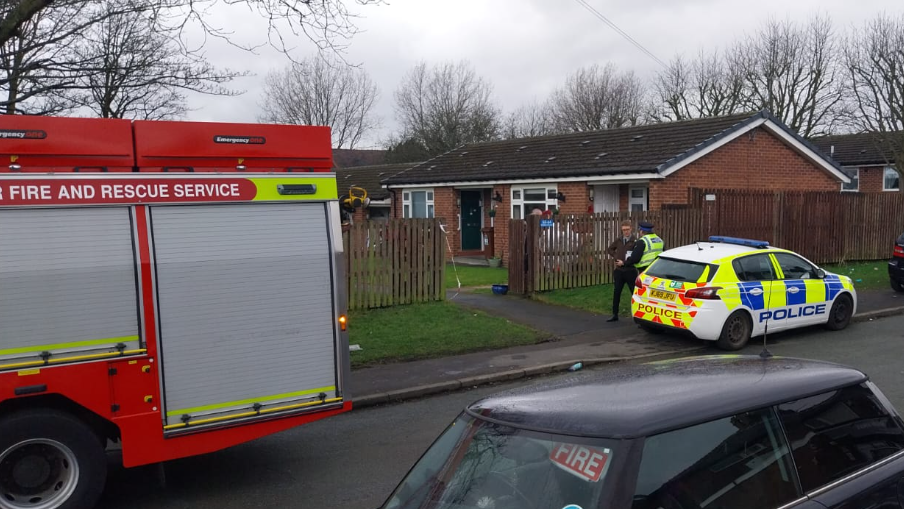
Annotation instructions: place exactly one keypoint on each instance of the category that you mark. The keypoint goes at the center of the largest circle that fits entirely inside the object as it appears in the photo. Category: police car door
(756, 274)
(805, 294)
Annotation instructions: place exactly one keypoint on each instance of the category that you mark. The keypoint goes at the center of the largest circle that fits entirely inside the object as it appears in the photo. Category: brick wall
(501, 222)
(577, 197)
(871, 179)
(760, 161)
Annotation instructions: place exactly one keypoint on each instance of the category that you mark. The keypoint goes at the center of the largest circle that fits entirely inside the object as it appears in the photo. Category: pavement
(575, 337)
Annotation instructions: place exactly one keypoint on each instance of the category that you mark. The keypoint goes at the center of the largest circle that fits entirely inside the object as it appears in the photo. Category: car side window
(837, 433)
(754, 268)
(738, 462)
(795, 267)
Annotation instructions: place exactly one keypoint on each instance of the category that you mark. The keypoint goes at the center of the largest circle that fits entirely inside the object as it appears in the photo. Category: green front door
(470, 221)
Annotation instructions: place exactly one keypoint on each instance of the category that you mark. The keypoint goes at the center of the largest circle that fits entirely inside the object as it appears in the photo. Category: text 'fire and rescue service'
(36, 192)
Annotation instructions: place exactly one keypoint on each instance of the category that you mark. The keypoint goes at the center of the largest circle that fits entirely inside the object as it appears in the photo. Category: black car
(717, 432)
(896, 266)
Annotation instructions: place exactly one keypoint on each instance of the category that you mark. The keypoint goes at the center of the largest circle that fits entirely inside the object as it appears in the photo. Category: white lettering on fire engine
(29, 192)
(76, 192)
(132, 191)
(206, 190)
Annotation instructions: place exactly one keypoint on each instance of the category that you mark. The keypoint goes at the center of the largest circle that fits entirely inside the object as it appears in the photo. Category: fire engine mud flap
(67, 286)
(247, 321)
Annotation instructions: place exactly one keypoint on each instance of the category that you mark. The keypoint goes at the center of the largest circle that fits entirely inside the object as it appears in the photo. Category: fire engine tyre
(735, 332)
(840, 315)
(49, 460)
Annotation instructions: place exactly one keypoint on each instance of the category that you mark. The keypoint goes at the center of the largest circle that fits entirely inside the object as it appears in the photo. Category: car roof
(714, 252)
(629, 401)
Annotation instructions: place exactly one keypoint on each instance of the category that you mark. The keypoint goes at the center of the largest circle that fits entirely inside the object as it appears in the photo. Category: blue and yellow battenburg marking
(767, 300)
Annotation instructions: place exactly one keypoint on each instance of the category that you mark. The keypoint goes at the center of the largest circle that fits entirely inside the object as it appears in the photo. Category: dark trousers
(623, 277)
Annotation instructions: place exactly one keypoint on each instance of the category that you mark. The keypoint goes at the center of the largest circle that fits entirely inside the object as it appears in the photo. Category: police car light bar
(740, 242)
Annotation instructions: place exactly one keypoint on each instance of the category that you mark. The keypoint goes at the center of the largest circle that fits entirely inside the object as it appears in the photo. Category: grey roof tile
(631, 150)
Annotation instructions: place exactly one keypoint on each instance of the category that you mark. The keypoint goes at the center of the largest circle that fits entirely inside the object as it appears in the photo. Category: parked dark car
(896, 266)
(717, 432)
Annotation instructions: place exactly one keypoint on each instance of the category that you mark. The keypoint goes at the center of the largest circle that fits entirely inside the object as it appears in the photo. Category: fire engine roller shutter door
(246, 313)
(67, 282)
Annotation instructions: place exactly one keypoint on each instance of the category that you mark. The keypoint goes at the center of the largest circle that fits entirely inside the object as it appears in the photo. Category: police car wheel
(840, 315)
(735, 332)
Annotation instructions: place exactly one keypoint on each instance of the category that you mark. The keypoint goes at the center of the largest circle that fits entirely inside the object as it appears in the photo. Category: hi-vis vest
(652, 247)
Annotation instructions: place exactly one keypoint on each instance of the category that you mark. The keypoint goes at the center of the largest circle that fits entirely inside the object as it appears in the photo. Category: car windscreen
(476, 464)
(679, 270)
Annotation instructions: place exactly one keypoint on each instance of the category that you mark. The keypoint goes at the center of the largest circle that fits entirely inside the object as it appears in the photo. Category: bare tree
(596, 98)
(320, 91)
(325, 22)
(533, 119)
(38, 65)
(793, 71)
(712, 85)
(874, 62)
(133, 71)
(446, 106)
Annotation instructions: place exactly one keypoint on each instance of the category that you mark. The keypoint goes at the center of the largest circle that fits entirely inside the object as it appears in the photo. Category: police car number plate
(658, 294)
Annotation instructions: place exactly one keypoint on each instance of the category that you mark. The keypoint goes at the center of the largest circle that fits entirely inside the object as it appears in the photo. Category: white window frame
(854, 174)
(429, 196)
(884, 173)
(550, 190)
(642, 201)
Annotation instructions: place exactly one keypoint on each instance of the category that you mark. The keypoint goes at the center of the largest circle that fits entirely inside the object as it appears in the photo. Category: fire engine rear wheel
(49, 460)
(736, 331)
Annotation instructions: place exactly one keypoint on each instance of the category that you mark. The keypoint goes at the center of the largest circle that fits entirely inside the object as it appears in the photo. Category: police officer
(646, 249)
(620, 249)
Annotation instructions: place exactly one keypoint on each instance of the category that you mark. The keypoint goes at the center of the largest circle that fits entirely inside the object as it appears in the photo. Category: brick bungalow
(368, 178)
(869, 164)
(637, 168)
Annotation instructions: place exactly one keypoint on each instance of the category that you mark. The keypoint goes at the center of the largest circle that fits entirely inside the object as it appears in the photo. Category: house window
(417, 203)
(854, 174)
(891, 180)
(526, 199)
(637, 199)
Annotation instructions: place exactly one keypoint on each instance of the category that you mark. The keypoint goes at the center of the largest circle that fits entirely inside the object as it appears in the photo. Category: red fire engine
(174, 286)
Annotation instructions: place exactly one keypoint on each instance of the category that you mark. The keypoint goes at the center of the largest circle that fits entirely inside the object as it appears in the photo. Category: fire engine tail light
(705, 293)
(899, 251)
(343, 322)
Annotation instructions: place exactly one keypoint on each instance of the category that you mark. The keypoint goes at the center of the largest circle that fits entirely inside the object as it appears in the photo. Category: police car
(729, 290)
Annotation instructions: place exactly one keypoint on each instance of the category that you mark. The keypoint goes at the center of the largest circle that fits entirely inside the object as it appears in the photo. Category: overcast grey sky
(524, 48)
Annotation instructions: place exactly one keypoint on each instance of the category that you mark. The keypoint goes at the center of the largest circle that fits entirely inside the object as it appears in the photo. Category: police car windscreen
(678, 270)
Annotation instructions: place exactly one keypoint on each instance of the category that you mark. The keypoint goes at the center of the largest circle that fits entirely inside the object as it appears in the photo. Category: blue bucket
(500, 289)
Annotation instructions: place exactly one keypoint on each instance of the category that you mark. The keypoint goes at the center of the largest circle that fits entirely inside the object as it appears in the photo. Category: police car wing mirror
(820, 274)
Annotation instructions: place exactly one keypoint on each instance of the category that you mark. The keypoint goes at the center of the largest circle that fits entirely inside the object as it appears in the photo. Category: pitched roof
(862, 149)
(653, 148)
(369, 177)
(344, 158)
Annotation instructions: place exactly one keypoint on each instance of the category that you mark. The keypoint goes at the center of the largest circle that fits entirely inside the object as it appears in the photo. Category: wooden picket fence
(569, 251)
(400, 261)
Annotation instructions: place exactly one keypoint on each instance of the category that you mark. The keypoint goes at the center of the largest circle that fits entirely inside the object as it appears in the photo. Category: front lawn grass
(596, 299)
(475, 276)
(436, 329)
(866, 275)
